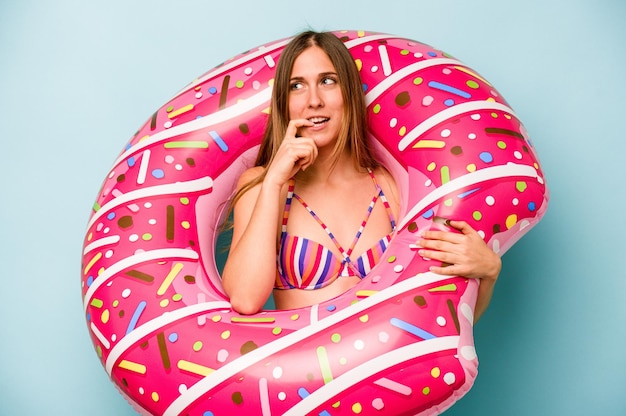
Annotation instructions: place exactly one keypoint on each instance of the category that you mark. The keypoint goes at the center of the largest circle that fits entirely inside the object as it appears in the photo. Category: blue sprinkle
(111, 215)
(303, 393)
(532, 206)
(131, 162)
(331, 308)
(212, 90)
(431, 53)
(365, 87)
(410, 328)
(173, 337)
(198, 117)
(89, 281)
(128, 146)
(219, 141)
(158, 173)
(486, 157)
(208, 413)
(428, 214)
(464, 194)
(133, 322)
(449, 102)
(324, 413)
(447, 88)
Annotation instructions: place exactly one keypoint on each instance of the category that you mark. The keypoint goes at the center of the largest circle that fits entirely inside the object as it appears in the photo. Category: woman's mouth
(318, 121)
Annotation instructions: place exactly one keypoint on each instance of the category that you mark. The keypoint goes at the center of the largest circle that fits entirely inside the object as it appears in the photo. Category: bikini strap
(290, 194)
(384, 200)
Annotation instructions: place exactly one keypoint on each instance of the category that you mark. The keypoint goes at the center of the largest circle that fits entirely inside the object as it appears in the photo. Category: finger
(295, 124)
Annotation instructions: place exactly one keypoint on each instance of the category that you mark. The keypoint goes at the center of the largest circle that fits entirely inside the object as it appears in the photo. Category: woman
(293, 202)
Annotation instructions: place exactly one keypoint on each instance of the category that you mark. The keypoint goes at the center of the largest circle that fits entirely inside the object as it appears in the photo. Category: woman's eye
(295, 86)
(329, 81)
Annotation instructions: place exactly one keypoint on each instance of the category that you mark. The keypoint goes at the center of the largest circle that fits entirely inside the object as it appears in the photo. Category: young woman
(317, 211)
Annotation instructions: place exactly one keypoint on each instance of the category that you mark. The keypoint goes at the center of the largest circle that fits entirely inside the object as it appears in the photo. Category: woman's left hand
(462, 254)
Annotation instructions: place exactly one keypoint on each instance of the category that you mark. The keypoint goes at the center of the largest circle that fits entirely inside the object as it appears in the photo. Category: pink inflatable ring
(400, 342)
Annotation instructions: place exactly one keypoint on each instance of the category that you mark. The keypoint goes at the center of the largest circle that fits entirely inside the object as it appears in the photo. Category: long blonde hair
(353, 132)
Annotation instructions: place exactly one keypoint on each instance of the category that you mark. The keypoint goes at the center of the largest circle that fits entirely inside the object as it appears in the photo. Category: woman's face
(315, 95)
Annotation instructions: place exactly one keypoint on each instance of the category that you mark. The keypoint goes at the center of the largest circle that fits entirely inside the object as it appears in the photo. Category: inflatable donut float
(400, 342)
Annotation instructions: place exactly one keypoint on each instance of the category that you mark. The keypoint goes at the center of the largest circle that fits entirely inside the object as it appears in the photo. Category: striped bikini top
(306, 264)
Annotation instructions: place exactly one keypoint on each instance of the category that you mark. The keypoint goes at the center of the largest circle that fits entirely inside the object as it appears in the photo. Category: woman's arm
(250, 270)
(463, 254)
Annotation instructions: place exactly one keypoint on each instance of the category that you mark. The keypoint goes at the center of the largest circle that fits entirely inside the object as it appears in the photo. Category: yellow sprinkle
(92, 262)
(185, 225)
(257, 320)
(216, 318)
(435, 372)
(144, 137)
(445, 288)
(357, 408)
(105, 316)
(225, 334)
(295, 317)
(511, 220)
(402, 131)
(364, 318)
(180, 111)
(131, 366)
(360, 33)
(194, 368)
(365, 293)
(471, 167)
(164, 303)
(429, 144)
(155, 396)
(359, 64)
(170, 278)
(431, 166)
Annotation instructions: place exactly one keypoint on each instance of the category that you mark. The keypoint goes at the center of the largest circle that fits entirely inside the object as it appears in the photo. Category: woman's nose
(315, 98)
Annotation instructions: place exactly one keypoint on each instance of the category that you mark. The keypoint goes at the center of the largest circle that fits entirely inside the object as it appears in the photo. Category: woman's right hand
(295, 153)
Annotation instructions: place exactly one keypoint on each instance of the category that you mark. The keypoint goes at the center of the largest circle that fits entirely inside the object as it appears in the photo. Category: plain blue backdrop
(78, 78)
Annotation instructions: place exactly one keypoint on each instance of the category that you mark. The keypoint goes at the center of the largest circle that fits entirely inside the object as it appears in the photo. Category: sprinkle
(143, 167)
(322, 358)
(445, 288)
(224, 92)
(219, 141)
(105, 342)
(384, 56)
(187, 145)
(394, 386)
(455, 317)
(132, 366)
(447, 88)
(256, 320)
(138, 311)
(140, 275)
(429, 144)
(170, 277)
(506, 132)
(194, 368)
(169, 229)
(165, 358)
(365, 293)
(410, 328)
(93, 261)
(180, 111)
(264, 396)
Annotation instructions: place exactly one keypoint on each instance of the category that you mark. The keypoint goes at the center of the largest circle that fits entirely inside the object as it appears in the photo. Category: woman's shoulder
(249, 175)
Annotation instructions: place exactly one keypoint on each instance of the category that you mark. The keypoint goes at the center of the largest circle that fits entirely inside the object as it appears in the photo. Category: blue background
(78, 78)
